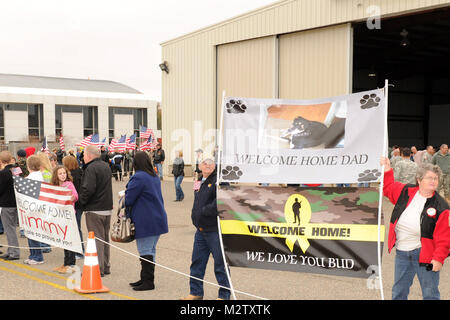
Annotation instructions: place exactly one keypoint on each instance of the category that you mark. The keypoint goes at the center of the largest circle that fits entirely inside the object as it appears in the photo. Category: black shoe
(136, 284)
(8, 257)
(147, 275)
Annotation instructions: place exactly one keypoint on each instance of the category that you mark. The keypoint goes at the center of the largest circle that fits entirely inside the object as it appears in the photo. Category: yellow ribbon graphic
(297, 212)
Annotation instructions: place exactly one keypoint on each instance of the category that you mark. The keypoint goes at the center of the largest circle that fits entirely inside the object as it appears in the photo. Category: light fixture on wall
(404, 42)
(164, 67)
(372, 73)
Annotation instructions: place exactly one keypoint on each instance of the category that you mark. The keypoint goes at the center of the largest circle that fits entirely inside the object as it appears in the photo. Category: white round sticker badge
(431, 212)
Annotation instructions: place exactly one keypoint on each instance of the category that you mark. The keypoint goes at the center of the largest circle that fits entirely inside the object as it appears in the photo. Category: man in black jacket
(158, 159)
(206, 241)
(97, 201)
(8, 206)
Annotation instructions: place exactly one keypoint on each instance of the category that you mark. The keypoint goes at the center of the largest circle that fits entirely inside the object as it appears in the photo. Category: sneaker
(79, 257)
(33, 262)
(58, 268)
(66, 269)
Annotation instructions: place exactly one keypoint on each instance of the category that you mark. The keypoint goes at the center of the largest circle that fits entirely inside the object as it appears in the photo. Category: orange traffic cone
(91, 280)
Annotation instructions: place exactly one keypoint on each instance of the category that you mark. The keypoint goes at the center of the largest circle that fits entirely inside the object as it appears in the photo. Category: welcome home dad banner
(317, 230)
(332, 140)
(46, 214)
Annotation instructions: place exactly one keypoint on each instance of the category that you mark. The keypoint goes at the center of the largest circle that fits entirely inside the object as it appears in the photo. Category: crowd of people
(88, 174)
(405, 162)
(416, 182)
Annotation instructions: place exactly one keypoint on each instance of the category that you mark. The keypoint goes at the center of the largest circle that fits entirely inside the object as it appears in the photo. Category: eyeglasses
(431, 178)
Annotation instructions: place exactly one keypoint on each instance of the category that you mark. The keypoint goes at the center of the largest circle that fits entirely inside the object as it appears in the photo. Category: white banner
(46, 214)
(331, 140)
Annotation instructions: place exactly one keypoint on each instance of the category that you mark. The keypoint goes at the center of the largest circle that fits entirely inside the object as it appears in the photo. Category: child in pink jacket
(61, 177)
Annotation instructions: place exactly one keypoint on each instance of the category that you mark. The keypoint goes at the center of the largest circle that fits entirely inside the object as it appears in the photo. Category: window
(35, 118)
(90, 118)
(139, 119)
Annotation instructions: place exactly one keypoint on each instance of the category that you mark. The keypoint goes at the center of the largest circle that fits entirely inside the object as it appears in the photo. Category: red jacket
(434, 220)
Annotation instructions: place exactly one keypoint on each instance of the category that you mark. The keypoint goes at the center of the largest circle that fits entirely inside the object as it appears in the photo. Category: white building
(32, 107)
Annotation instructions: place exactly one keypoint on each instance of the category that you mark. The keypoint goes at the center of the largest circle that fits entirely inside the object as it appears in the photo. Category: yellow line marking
(54, 285)
(59, 277)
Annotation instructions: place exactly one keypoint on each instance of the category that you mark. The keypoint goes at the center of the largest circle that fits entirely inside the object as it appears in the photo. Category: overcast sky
(103, 39)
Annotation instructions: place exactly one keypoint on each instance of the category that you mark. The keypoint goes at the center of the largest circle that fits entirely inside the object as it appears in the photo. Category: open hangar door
(413, 53)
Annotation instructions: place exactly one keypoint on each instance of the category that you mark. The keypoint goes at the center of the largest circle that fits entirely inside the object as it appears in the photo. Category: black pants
(69, 258)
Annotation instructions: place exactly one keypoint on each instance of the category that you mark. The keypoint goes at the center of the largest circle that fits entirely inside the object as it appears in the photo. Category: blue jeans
(206, 243)
(178, 191)
(147, 246)
(343, 185)
(160, 170)
(35, 254)
(406, 268)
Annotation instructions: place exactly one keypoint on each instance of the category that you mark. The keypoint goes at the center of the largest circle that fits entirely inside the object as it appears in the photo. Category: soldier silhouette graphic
(296, 209)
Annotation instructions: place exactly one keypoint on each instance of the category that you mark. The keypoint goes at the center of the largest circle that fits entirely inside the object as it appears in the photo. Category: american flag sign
(47, 214)
(61, 143)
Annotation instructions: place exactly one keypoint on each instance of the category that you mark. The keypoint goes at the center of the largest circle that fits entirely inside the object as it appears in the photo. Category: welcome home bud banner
(46, 214)
(317, 230)
(332, 140)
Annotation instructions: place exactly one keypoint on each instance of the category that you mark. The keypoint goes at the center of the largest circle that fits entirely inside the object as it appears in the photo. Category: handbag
(123, 229)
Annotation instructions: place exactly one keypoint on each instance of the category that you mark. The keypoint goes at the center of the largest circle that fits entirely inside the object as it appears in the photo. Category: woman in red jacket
(419, 229)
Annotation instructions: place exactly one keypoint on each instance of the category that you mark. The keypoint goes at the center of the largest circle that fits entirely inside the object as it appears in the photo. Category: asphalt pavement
(23, 282)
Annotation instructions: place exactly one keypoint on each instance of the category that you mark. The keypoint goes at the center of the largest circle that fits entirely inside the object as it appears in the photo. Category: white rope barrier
(179, 272)
(156, 264)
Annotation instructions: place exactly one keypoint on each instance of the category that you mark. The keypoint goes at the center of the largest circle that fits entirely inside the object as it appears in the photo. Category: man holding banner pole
(206, 241)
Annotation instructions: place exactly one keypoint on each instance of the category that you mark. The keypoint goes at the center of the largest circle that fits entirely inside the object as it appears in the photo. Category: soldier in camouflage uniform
(22, 162)
(405, 169)
(395, 157)
(442, 159)
(428, 155)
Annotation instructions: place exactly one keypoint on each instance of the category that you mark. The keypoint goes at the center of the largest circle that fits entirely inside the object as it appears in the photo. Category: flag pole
(380, 201)
(219, 162)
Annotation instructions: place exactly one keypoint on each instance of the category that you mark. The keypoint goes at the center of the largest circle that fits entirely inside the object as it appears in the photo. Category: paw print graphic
(235, 106)
(370, 101)
(231, 173)
(369, 175)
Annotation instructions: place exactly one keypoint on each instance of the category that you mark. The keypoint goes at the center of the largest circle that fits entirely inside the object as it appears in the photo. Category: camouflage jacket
(405, 171)
(22, 163)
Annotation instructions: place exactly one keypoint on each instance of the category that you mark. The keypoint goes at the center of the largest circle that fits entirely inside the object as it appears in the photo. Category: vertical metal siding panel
(307, 67)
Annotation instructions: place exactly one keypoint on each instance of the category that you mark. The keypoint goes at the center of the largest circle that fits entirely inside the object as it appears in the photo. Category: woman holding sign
(61, 177)
(419, 229)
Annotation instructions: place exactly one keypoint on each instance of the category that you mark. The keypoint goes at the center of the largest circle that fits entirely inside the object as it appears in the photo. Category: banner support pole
(380, 204)
(219, 178)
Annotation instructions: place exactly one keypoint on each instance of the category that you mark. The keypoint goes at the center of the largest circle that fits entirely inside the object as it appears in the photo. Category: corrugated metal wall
(316, 63)
(246, 69)
(190, 91)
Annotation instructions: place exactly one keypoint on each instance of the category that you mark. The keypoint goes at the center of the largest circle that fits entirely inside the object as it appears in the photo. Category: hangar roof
(39, 82)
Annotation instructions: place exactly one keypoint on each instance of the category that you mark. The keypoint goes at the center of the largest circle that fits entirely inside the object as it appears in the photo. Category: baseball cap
(21, 153)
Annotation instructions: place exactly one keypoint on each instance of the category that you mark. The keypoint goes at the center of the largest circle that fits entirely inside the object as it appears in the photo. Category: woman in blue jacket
(143, 195)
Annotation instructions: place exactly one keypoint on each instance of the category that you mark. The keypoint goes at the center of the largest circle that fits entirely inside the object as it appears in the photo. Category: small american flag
(131, 142)
(144, 133)
(61, 143)
(95, 141)
(45, 146)
(86, 141)
(147, 145)
(43, 191)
